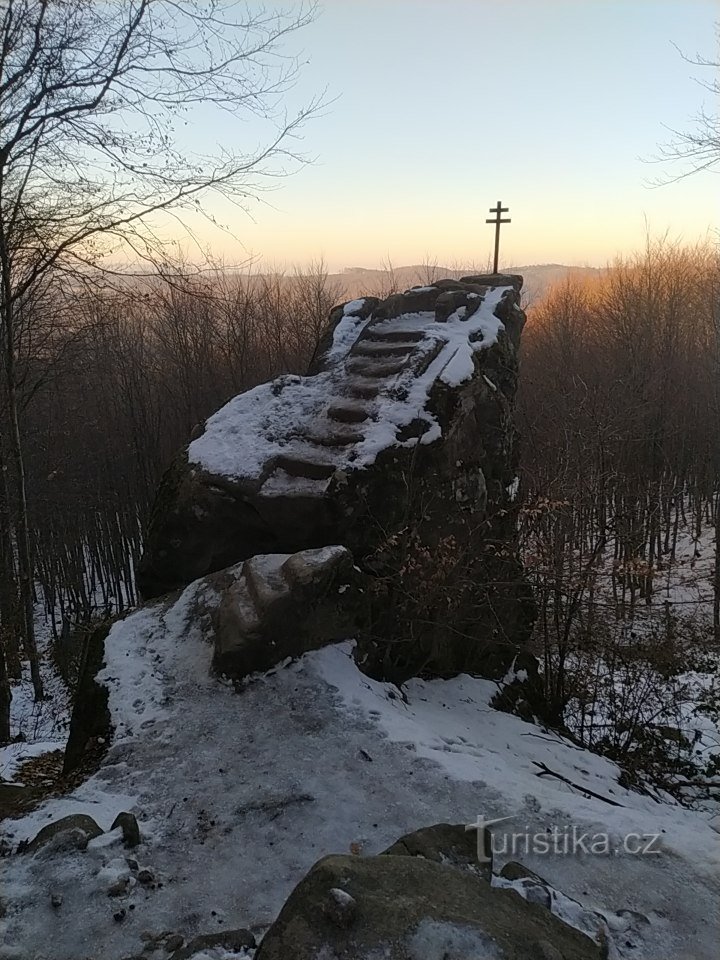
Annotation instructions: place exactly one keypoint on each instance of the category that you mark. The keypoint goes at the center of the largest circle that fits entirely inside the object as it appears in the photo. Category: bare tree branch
(97, 101)
(698, 148)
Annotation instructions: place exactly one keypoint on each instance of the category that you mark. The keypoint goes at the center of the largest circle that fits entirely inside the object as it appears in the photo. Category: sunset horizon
(403, 162)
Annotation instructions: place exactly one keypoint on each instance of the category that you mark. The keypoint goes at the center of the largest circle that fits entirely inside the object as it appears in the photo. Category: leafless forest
(618, 414)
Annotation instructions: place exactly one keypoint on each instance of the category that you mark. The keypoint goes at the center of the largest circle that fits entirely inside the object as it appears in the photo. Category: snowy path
(238, 794)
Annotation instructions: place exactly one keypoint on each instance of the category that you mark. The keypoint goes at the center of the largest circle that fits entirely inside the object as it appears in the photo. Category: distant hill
(356, 281)
(540, 277)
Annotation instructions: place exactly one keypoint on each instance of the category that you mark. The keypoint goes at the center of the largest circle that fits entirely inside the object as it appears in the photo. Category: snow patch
(13, 755)
(434, 938)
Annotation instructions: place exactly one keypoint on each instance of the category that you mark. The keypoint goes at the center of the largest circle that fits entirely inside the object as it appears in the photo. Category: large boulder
(401, 447)
(408, 908)
(277, 606)
(73, 832)
(452, 844)
(223, 943)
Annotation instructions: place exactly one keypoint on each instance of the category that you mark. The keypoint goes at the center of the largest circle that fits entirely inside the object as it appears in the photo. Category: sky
(438, 108)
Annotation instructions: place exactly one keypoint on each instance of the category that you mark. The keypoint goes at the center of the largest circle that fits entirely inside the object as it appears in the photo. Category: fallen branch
(706, 784)
(545, 771)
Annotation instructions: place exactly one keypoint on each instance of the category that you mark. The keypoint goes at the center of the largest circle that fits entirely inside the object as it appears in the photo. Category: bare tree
(698, 148)
(619, 403)
(94, 99)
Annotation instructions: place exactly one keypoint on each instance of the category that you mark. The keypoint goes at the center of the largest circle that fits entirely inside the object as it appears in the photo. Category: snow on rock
(276, 606)
(401, 441)
(353, 319)
(269, 470)
(238, 793)
(415, 909)
(275, 418)
(434, 939)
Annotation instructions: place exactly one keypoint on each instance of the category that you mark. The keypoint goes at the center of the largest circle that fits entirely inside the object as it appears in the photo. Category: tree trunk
(22, 528)
(22, 533)
(9, 659)
(5, 699)
(716, 578)
(9, 628)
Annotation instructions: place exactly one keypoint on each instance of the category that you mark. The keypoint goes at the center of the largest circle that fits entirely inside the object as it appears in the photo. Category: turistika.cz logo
(566, 841)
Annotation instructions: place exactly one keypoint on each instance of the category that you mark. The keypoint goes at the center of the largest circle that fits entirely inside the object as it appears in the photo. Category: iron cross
(497, 220)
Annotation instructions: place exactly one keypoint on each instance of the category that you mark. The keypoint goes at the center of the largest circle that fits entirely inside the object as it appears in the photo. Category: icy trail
(238, 794)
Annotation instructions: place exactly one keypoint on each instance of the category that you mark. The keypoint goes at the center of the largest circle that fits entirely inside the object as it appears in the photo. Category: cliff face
(400, 446)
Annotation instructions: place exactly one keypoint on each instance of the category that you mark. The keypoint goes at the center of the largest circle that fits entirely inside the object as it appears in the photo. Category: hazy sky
(445, 106)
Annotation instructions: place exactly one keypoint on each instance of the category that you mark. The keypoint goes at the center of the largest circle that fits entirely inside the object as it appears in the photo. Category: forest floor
(239, 791)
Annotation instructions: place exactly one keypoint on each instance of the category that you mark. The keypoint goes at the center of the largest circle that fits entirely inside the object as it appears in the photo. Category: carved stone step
(348, 412)
(369, 367)
(335, 436)
(301, 466)
(283, 485)
(383, 334)
(421, 359)
(363, 389)
(381, 348)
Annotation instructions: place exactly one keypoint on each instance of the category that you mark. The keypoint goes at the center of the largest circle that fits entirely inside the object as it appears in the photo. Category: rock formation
(255, 614)
(276, 606)
(400, 446)
(407, 907)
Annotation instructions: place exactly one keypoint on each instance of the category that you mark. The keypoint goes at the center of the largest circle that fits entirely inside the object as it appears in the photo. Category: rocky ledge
(400, 446)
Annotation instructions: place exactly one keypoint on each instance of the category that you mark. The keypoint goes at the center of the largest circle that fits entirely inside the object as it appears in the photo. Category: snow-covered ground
(37, 727)
(40, 726)
(238, 793)
(651, 666)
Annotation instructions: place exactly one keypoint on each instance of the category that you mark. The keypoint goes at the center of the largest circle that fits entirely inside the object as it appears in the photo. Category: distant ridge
(356, 281)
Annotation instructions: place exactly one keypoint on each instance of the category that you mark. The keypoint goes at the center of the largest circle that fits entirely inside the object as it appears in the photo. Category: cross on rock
(497, 220)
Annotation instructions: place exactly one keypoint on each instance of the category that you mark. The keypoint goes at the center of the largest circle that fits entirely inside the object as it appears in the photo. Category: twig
(546, 771)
